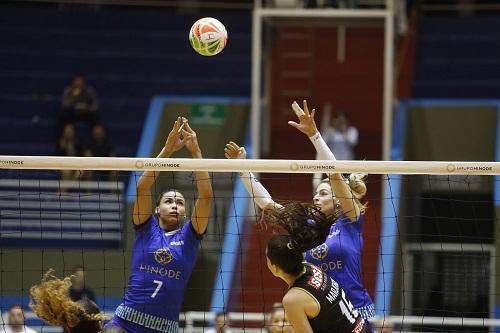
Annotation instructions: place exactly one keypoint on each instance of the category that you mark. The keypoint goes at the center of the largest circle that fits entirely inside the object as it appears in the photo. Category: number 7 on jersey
(159, 284)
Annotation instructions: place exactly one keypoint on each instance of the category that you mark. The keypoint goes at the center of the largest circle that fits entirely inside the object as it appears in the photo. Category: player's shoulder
(296, 294)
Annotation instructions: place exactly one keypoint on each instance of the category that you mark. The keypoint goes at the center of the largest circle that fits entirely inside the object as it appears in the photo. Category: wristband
(324, 153)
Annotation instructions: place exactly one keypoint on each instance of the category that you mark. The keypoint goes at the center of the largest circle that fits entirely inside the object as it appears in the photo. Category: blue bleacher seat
(458, 57)
(127, 54)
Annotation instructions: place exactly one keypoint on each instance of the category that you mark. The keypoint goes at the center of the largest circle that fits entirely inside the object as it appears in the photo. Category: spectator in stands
(68, 145)
(341, 137)
(15, 321)
(79, 103)
(100, 146)
(78, 290)
(51, 303)
(222, 324)
(278, 322)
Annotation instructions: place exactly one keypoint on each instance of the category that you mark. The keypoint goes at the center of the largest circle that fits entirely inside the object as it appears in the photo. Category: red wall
(303, 65)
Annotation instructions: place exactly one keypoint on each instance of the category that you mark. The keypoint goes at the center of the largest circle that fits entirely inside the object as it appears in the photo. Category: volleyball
(208, 36)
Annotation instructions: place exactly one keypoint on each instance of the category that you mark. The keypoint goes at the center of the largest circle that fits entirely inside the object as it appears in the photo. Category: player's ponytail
(306, 227)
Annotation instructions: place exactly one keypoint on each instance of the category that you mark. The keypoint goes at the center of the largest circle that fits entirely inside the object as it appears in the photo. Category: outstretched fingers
(297, 109)
(233, 145)
(306, 122)
(300, 112)
(232, 150)
(186, 126)
(177, 124)
(306, 109)
(294, 124)
(179, 128)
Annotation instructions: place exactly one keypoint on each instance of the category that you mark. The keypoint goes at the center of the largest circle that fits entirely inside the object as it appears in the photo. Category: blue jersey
(340, 258)
(162, 263)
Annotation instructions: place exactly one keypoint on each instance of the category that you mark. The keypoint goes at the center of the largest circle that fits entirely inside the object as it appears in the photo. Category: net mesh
(428, 261)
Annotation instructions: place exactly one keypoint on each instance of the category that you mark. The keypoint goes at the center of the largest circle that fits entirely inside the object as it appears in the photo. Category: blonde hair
(51, 302)
(356, 183)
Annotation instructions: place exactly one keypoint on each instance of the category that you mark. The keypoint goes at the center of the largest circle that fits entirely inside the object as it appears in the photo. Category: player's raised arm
(341, 189)
(203, 204)
(143, 202)
(258, 192)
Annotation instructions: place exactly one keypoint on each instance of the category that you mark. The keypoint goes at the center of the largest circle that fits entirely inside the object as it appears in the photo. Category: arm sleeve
(258, 192)
(323, 152)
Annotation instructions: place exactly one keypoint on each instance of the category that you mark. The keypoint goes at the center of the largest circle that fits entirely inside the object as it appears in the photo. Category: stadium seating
(127, 54)
(457, 57)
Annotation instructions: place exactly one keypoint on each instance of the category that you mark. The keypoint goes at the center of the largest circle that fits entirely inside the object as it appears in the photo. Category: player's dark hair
(307, 227)
(87, 324)
(158, 200)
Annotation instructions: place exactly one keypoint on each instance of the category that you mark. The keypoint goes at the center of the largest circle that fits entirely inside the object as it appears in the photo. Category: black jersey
(336, 314)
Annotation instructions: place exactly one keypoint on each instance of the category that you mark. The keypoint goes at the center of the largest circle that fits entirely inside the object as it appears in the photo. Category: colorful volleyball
(208, 36)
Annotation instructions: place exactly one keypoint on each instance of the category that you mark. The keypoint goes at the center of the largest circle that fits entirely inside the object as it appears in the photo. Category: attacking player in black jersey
(314, 302)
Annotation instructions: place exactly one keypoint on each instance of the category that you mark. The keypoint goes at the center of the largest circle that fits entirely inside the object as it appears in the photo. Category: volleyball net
(430, 236)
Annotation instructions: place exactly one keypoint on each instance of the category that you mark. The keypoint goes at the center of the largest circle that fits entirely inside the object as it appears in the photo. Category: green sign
(208, 114)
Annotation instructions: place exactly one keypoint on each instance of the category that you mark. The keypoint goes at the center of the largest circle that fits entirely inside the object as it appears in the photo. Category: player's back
(336, 312)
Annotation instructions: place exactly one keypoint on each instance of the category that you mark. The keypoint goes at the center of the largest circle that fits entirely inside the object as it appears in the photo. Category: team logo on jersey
(316, 279)
(319, 252)
(163, 256)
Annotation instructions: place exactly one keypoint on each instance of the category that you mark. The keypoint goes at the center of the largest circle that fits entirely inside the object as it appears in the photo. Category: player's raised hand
(306, 124)
(174, 140)
(189, 137)
(233, 151)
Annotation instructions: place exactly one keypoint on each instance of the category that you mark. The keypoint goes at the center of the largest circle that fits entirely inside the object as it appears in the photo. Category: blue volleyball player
(165, 246)
(340, 256)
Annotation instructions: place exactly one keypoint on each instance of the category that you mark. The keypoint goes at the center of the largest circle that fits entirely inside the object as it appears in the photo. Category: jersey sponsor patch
(319, 252)
(316, 279)
(177, 243)
(163, 256)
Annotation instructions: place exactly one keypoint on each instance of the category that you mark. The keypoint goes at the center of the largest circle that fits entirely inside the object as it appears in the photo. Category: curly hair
(51, 302)
(306, 226)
